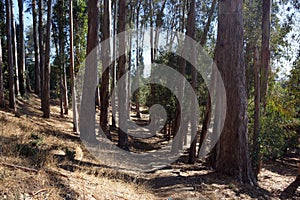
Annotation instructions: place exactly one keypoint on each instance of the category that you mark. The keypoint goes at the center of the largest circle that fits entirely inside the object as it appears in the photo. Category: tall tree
(22, 49)
(46, 88)
(62, 59)
(42, 50)
(15, 50)
(12, 99)
(191, 33)
(90, 76)
(232, 155)
(265, 52)
(36, 49)
(122, 90)
(72, 74)
(2, 100)
(106, 59)
(256, 145)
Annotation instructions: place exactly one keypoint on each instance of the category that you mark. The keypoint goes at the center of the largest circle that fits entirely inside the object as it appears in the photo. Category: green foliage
(277, 133)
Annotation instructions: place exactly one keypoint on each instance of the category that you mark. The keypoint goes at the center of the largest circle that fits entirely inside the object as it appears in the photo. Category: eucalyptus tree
(12, 99)
(231, 151)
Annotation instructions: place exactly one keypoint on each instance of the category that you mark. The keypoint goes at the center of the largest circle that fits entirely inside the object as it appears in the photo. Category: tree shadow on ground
(165, 185)
(291, 191)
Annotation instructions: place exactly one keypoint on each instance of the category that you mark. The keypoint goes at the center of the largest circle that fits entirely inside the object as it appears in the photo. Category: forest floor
(43, 159)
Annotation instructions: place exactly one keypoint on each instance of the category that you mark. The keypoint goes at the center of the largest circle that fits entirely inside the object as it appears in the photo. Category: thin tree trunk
(15, 54)
(36, 50)
(114, 63)
(41, 43)
(72, 75)
(207, 115)
(265, 52)
(256, 146)
(137, 102)
(232, 157)
(12, 99)
(22, 50)
(104, 92)
(2, 100)
(122, 91)
(46, 92)
(194, 121)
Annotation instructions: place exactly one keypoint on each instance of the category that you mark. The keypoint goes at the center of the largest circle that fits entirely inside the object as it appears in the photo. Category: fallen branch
(27, 169)
(41, 190)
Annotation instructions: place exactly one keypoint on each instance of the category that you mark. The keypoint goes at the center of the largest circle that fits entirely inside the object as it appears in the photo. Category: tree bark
(22, 50)
(265, 52)
(2, 100)
(36, 50)
(207, 116)
(72, 74)
(122, 90)
(194, 121)
(15, 50)
(114, 63)
(232, 156)
(42, 51)
(104, 91)
(256, 146)
(46, 92)
(12, 99)
(90, 77)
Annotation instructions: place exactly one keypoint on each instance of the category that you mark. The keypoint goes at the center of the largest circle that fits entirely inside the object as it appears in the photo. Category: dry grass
(34, 142)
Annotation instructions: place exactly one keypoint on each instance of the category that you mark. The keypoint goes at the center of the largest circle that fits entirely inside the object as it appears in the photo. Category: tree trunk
(15, 50)
(12, 99)
(232, 156)
(137, 59)
(46, 92)
(194, 121)
(114, 63)
(256, 146)
(122, 90)
(90, 76)
(72, 75)
(2, 100)
(36, 50)
(106, 59)
(22, 50)
(41, 43)
(265, 52)
(207, 115)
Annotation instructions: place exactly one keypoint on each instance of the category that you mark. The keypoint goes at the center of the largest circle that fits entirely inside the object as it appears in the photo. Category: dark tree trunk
(46, 90)
(36, 50)
(122, 91)
(22, 50)
(232, 155)
(194, 121)
(265, 52)
(114, 63)
(42, 51)
(104, 91)
(12, 99)
(15, 50)
(2, 100)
